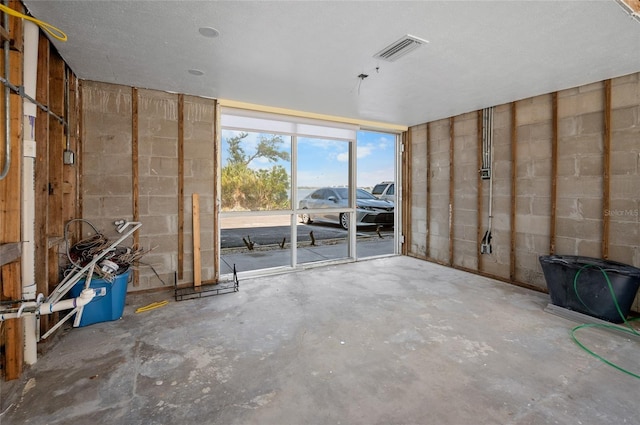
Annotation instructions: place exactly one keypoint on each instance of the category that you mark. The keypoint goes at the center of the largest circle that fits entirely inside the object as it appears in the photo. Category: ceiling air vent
(400, 48)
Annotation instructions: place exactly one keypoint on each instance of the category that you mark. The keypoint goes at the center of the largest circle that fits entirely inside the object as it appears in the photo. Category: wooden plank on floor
(197, 262)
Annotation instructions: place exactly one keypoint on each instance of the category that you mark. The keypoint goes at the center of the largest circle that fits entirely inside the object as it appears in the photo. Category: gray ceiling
(307, 55)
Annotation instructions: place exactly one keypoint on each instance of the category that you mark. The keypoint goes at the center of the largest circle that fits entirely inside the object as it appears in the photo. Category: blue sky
(325, 162)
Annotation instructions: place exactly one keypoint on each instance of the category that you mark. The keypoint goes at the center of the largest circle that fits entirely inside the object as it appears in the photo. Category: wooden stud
(135, 173)
(197, 263)
(69, 172)
(42, 179)
(606, 171)
(13, 328)
(514, 144)
(427, 250)
(406, 193)
(216, 189)
(180, 186)
(16, 27)
(451, 186)
(10, 218)
(80, 137)
(479, 135)
(554, 173)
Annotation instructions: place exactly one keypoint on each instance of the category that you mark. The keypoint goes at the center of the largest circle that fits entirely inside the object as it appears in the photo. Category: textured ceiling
(307, 55)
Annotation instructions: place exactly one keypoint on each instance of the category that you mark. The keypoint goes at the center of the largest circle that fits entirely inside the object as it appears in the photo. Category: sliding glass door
(296, 192)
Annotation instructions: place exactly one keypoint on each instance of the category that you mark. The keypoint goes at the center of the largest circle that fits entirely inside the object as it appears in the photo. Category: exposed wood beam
(180, 186)
(451, 186)
(135, 172)
(514, 194)
(606, 171)
(427, 249)
(554, 172)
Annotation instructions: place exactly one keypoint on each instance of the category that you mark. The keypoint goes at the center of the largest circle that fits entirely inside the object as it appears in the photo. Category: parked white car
(385, 190)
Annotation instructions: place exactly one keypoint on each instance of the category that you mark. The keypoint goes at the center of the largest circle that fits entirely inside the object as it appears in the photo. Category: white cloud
(343, 157)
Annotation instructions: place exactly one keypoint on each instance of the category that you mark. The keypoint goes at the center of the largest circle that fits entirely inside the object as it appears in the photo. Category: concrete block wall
(199, 177)
(158, 184)
(438, 204)
(419, 197)
(465, 184)
(107, 175)
(579, 214)
(533, 187)
(107, 180)
(498, 263)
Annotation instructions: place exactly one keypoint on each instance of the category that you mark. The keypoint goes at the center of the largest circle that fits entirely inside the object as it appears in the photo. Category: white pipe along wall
(30, 73)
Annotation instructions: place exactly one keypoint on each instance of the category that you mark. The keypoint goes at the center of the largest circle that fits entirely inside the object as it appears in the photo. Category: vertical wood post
(406, 192)
(427, 249)
(479, 133)
(554, 173)
(135, 172)
(180, 185)
(197, 262)
(451, 186)
(606, 172)
(514, 194)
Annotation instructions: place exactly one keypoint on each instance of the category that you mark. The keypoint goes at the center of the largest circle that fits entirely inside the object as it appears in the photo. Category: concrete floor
(388, 341)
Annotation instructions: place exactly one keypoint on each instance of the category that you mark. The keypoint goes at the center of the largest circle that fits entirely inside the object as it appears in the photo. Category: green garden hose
(628, 328)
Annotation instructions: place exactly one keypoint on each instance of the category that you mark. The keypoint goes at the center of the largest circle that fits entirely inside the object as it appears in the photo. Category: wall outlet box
(69, 157)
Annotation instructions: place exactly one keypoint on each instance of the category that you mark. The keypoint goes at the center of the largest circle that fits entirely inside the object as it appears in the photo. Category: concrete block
(160, 166)
(622, 253)
(163, 147)
(117, 206)
(583, 187)
(567, 166)
(625, 91)
(624, 163)
(591, 123)
(568, 127)
(158, 185)
(623, 210)
(542, 168)
(626, 141)
(579, 229)
(440, 130)
(624, 118)
(625, 186)
(624, 233)
(581, 145)
(158, 205)
(566, 245)
(535, 109)
(541, 205)
(109, 185)
(588, 100)
(160, 225)
(537, 225)
(590, 166)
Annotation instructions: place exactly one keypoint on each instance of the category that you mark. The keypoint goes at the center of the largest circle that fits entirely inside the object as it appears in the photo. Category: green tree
(244, 188)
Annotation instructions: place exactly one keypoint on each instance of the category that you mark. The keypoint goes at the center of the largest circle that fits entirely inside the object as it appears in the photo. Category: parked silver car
(369, 209)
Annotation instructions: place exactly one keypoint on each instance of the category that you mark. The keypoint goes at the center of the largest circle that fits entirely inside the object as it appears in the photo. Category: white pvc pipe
(33, 309)
(30, 74)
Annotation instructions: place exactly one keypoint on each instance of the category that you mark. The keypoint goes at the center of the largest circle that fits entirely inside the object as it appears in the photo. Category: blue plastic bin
(105, 308)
